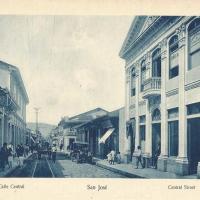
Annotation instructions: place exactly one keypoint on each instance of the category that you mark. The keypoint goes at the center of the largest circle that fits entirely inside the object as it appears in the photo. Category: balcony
(152, 87)
(69, 132)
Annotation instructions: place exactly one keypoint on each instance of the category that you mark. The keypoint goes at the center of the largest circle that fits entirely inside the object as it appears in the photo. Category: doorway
(193, 144)
(156, 137)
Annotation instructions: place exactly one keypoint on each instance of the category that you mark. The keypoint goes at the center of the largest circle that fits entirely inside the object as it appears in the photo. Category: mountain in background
(44, 128)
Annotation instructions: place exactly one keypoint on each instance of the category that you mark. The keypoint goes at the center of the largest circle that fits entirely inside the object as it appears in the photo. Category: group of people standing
(112, 157)
(52, 153)
(154, 158)
(8, 153)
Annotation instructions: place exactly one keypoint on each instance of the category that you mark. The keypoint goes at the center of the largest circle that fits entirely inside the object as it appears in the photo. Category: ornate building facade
(13, 101)
(162, 106)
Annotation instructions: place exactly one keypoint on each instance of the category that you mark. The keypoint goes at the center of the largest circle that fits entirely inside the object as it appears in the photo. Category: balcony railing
(152, 87)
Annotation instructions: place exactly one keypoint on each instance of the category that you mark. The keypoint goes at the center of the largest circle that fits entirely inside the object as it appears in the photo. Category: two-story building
(66, 134)
(13, 101)
(162, 106)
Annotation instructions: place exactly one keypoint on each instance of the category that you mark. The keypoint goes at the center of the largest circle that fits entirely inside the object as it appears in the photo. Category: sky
(69, 64)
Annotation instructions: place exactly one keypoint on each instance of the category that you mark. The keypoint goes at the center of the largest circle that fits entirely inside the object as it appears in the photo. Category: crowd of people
(8, 153)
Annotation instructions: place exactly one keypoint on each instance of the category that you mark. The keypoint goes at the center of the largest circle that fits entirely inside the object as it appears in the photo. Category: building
(65, 133)
(162, 66)
(13, 101)
(101, 134)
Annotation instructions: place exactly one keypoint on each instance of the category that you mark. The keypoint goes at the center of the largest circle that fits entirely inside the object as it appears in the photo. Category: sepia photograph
(100, 96)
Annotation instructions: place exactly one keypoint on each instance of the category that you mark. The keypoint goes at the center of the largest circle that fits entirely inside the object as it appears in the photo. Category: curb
(119, 171)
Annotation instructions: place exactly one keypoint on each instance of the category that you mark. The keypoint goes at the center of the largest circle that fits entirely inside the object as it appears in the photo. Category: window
(143, 74)
(173, 138)
(133, 77)
(156, 115)
(173, 113)
(194, 44)
(193, 109)
(173, 57)
(142, 119)
(142, 132)
(156, 63)
(133, 92)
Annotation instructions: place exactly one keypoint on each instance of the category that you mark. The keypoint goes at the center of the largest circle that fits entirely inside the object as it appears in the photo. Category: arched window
(143, 74)
(133, 77)
(173, 57)
(156, 115)
(156, 63)
(194, 44)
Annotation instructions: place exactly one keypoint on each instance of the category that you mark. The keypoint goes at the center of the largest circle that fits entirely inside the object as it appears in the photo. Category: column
(182, 160)
(137, 126)
(148, 128)
(2, 127)
(162, 160)
(127, 116)
(148, 131)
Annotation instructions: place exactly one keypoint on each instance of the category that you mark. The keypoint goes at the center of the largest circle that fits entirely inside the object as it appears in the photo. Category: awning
(32, 139)
(106, 135)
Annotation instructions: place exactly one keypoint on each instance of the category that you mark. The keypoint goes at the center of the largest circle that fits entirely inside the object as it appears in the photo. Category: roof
(140, 28)
(113, 114)
(85, 114)
(17, 74)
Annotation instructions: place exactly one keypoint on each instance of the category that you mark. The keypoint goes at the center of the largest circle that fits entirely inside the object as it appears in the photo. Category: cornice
(172, 92)
(149, 37)
(192, 85)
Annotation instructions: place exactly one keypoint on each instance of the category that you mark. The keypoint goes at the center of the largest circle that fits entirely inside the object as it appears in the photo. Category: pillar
(162, 160)
(127, 140)
(182, 167)
(148, 131)
(148, 128)
(2, 129)
(137, 125)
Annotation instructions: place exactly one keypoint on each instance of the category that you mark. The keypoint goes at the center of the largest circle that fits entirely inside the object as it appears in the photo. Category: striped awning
(106, 135)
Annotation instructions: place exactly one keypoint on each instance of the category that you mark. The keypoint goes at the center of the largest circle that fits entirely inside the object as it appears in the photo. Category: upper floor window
(143, 74)
(156, 116)
(194, 43)
(133, 77)
(156, 63)
(173, 57)
(193, 109)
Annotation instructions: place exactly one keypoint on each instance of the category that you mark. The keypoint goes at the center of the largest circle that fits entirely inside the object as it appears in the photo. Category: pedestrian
(61, 147)
(157, 153)
(112, 157)
(20, 154)
(39, 153)
(10, 155)
(54, 150)
(118, 158)
(109, 158)
(89, 157)
(139, 157)
(26, 150)
(4, 156)
(49, 152)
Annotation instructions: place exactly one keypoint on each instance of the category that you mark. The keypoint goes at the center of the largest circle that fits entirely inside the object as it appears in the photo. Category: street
(63, 167)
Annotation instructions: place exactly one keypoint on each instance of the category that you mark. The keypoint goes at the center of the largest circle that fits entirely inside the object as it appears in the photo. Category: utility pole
(36, 124)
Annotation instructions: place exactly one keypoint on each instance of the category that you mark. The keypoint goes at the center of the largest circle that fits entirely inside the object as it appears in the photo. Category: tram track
(34, 168)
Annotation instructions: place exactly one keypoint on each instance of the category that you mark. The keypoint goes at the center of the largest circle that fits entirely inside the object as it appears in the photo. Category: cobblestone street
(73, 170)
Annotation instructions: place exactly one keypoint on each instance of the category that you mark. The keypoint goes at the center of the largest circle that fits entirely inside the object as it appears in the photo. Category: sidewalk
(130, 171)
(15, 165)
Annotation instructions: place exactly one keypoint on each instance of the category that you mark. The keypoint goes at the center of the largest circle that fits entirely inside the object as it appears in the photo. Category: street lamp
(36, 124)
